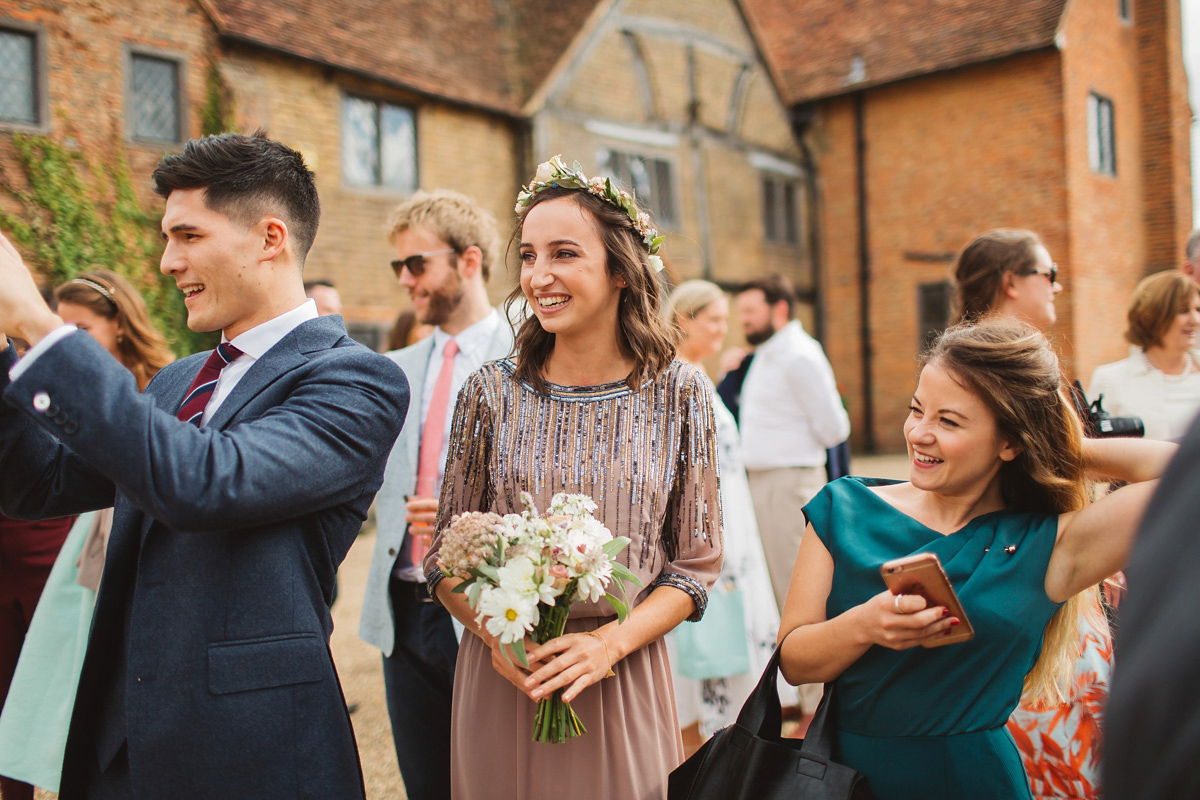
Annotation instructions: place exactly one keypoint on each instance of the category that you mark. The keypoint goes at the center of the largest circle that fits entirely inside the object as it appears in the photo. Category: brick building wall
(86, 47)
(1166, 142)
(1106, 212)
(1005, 144)
(947, 156)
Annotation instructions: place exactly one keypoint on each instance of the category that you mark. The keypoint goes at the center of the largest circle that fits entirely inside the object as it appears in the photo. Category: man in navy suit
(208, 672)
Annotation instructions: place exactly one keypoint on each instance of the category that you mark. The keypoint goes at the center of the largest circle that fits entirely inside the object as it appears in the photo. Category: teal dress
(928, 723)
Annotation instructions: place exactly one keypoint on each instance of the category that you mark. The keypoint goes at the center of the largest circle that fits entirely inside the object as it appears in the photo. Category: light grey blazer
(377, 625)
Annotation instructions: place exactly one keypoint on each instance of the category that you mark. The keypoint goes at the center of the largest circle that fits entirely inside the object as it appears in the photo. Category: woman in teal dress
(997, 490)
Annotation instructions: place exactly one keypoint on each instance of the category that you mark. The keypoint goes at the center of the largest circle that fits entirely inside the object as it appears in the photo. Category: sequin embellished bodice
(647, 456)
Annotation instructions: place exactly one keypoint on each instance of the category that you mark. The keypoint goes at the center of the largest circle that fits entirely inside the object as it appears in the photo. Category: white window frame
(377, 184)
(1101, 134)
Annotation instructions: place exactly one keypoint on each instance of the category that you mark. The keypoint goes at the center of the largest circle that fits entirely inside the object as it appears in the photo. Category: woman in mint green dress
(997, 490)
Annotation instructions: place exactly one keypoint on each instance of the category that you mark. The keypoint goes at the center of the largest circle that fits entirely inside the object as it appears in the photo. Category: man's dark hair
(310, 285)
(246, 178)
(775, 288)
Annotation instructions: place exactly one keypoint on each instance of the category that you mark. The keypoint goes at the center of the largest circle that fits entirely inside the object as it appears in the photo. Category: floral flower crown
(555, 174)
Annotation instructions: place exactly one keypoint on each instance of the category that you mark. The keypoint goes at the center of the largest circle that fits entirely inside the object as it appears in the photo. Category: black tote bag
(750, 760)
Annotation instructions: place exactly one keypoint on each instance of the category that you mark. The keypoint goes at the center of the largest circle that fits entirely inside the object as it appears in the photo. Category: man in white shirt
(240, 479)
(446, 246)
(790, 414)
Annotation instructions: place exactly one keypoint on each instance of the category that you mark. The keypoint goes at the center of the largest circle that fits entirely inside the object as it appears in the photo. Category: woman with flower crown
(593, 404)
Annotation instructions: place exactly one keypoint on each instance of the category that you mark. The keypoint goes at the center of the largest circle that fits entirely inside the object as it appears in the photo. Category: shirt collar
(261, 338)
(473, 341)
(777, 338)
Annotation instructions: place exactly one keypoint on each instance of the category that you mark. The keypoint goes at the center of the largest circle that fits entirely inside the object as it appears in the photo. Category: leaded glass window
(154, 99)
(18, 77)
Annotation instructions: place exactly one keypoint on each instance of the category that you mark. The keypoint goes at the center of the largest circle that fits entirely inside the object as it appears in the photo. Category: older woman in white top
(1160, 380)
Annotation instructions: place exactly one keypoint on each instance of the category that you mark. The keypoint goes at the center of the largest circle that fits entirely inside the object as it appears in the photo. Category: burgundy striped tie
(192, 408)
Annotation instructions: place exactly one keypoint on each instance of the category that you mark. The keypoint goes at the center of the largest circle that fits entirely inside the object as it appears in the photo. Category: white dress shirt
(1167, 404)
(790, 409)
(253, 343)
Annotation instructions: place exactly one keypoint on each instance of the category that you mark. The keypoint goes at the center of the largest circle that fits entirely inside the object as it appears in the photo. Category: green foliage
(77, 213)
(213, 117)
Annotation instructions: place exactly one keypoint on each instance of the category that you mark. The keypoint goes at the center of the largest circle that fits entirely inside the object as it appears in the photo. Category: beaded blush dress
(649, 459)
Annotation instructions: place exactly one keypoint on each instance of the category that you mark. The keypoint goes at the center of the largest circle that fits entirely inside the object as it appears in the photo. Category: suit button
(391, 551)
(70, 428)
(60, 417)
(41, 402)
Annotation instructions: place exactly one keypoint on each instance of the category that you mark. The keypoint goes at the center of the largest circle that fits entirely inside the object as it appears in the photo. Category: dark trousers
(419, 677)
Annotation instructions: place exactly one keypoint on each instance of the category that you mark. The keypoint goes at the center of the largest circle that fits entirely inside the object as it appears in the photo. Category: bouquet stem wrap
(556, 721)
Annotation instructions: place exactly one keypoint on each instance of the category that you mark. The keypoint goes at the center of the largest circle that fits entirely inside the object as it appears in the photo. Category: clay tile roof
(482, 53)
(823, 48)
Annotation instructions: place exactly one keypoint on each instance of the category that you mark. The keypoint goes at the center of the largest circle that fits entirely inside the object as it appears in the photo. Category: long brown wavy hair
(140, 346)
(1011, 367)
(642, 333)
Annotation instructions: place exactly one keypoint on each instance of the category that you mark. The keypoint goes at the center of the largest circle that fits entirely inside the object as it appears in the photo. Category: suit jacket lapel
(415, 369)
(288, 353)
(170, 385)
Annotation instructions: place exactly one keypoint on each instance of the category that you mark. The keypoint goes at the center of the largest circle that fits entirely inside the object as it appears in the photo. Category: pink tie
(431, 438)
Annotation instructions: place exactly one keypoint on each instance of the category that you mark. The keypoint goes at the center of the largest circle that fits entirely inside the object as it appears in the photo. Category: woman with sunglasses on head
(33, 725)
(593, 404)
(1160, 380)
(997, 490)
(1008, 272)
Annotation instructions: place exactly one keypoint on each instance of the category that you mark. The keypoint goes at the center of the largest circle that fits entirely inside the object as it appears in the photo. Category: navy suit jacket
(209, 649)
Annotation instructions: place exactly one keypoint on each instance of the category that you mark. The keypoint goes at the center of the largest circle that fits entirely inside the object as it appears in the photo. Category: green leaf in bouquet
(618, 605)
(461, 587)
(518, 649)
(515, 651)
(622, 574)
(473, 593)
(489, 572)
(613, 547)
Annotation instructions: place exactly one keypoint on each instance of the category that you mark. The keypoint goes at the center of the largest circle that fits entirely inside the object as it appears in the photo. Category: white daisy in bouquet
(521, 573)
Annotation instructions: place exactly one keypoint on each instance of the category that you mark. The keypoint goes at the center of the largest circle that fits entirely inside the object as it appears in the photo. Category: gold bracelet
(604, 642)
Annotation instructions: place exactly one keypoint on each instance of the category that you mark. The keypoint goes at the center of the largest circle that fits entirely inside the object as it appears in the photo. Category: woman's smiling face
(564, 270)
(954, 446)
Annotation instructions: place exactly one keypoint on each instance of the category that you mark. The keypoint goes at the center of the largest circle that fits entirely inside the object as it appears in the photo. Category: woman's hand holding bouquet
(521, 573)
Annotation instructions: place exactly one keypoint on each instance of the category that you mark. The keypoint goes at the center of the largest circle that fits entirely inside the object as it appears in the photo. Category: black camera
(1099, 424)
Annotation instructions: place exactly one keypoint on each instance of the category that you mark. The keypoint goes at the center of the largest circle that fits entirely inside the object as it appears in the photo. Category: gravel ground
(359, 667)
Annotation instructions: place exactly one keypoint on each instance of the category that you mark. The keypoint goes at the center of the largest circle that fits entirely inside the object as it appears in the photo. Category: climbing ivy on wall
(77, 212)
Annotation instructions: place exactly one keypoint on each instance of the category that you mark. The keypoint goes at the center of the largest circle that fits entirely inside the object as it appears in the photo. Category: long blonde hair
(1011, 367)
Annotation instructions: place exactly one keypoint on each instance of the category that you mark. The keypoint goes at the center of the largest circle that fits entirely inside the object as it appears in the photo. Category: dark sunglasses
(415, 264)
(1052, 273)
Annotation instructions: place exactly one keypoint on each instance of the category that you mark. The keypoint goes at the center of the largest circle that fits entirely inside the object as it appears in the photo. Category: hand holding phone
(922, 574)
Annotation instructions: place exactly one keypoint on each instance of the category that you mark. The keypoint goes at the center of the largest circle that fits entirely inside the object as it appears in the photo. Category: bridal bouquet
(521, 573)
